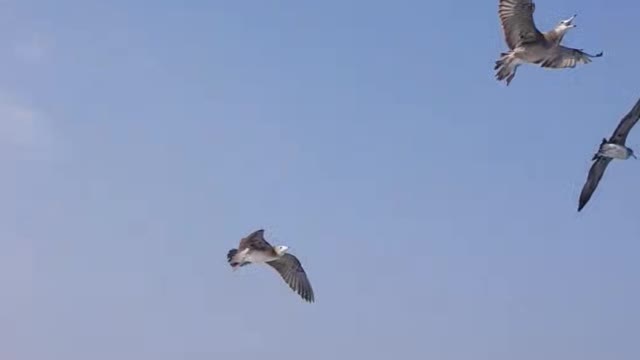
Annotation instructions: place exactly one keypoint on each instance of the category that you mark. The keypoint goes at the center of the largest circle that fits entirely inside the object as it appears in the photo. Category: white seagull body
(528, 45)
(614, 148)
(255, 249)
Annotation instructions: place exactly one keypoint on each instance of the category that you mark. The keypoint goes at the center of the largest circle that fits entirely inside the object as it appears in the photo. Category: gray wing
(595, 174)
(620, 134)
(292, 272)
(255, 241)
(516, 18)
(561, 57)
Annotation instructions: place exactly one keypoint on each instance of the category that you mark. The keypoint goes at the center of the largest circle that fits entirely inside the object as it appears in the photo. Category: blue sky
(433, 208)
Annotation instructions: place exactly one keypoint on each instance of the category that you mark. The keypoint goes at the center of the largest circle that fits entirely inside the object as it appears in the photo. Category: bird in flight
(255, 249)
(614, 148)
(528, 45)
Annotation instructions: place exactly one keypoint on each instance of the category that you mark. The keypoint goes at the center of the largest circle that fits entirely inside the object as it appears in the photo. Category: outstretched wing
(561, 57)
(255, 241)
(620, 134)
(292, 272)
(516, 17)
(595, 174)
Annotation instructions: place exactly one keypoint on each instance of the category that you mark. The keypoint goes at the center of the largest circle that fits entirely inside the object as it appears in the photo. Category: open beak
(570, 20)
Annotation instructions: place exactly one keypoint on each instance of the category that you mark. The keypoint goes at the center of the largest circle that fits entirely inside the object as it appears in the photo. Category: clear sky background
(433, 208)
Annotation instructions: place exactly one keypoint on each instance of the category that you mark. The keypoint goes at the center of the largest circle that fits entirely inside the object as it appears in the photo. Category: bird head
(281, 249)
(565, 25)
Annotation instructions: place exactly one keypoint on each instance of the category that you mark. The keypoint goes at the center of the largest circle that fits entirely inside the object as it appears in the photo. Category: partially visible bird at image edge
(614, 148)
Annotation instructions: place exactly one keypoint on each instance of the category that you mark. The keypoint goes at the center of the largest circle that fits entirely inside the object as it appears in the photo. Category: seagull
(614, 148)
(255, 249)
(528, 45)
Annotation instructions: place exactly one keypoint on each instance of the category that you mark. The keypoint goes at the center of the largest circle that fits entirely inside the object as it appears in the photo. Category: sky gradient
(433, 208)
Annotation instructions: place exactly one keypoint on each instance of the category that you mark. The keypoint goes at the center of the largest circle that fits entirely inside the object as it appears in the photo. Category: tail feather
(597, 155)
(231, 258)
(500, 61)
(506, 69)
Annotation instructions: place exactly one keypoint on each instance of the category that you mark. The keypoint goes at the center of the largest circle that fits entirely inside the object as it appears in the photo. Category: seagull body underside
(253, 257)
(614, 151)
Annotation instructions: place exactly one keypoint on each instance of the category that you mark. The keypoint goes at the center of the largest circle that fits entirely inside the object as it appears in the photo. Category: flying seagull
(255, 249)
(613, 149)
(528, 45)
